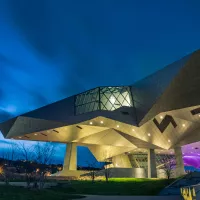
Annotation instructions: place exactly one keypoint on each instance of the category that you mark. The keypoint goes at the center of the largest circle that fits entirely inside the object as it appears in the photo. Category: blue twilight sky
(51, 49)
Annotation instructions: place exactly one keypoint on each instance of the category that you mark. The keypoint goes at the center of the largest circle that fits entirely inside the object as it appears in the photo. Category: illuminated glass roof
(103, 98)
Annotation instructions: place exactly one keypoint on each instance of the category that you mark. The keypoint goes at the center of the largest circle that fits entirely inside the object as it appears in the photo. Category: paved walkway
(94, 197)
(24, 184)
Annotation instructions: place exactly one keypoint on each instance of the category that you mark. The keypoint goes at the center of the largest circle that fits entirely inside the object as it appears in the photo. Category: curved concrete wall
(128, 172)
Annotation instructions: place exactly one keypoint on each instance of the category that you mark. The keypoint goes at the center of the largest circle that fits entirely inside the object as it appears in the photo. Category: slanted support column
(152, 173)
(70, 162)
(179, 162)
(121, 161)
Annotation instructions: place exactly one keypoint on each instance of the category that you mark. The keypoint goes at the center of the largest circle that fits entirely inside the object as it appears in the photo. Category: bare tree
(44, 154)
(168, 168)
(92, 165)
(8, 154)
(13, 154)
(5, 154)
(41, 153)
(5, 174)
(27, 155)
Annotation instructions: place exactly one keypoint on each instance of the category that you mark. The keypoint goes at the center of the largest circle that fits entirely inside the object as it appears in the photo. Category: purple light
(192, 161)
(191, 154)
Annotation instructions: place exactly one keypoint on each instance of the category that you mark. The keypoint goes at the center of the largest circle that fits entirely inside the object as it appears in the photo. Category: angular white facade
(161, 112)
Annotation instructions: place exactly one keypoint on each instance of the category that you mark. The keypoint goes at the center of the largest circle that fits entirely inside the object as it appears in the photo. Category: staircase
(188, 180)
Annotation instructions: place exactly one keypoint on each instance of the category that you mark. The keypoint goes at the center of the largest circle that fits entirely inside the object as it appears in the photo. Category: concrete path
(94, 197)
(23, 184)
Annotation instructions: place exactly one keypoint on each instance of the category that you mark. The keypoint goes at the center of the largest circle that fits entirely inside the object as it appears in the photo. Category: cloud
(7, 142)
(54, 49)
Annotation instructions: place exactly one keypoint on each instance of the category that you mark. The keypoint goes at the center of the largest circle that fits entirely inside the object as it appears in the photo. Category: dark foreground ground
(18, 193)
(68, 190)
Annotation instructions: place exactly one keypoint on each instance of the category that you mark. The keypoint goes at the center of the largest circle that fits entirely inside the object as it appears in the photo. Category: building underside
(154, 116)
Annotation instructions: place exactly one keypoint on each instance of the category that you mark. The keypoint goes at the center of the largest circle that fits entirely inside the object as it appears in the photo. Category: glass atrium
(103, 98)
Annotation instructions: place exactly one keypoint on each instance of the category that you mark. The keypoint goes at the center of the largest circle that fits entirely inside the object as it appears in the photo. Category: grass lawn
(116, 186)
(66, 190)
(18, 193)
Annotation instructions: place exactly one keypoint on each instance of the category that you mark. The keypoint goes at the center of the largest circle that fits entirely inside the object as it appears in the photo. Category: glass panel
(78, 110)
(81, 109)
(77, 100)
(86, 108)
(111, 98)
(81, 99)
(85, 99)
(91, 106)
(85, 102)
(96, 106)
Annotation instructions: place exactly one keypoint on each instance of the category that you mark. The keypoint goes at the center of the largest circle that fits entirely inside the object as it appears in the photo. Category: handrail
(176, 181)
(189, 192)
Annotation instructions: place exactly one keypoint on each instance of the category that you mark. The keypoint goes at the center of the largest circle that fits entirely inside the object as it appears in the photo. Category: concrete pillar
(70, 162)
(152, 173)
(179, 162)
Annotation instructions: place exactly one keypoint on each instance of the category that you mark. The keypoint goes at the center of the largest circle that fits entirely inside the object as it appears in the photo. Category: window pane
(85, 102)
(111, 98)
(115, 97)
